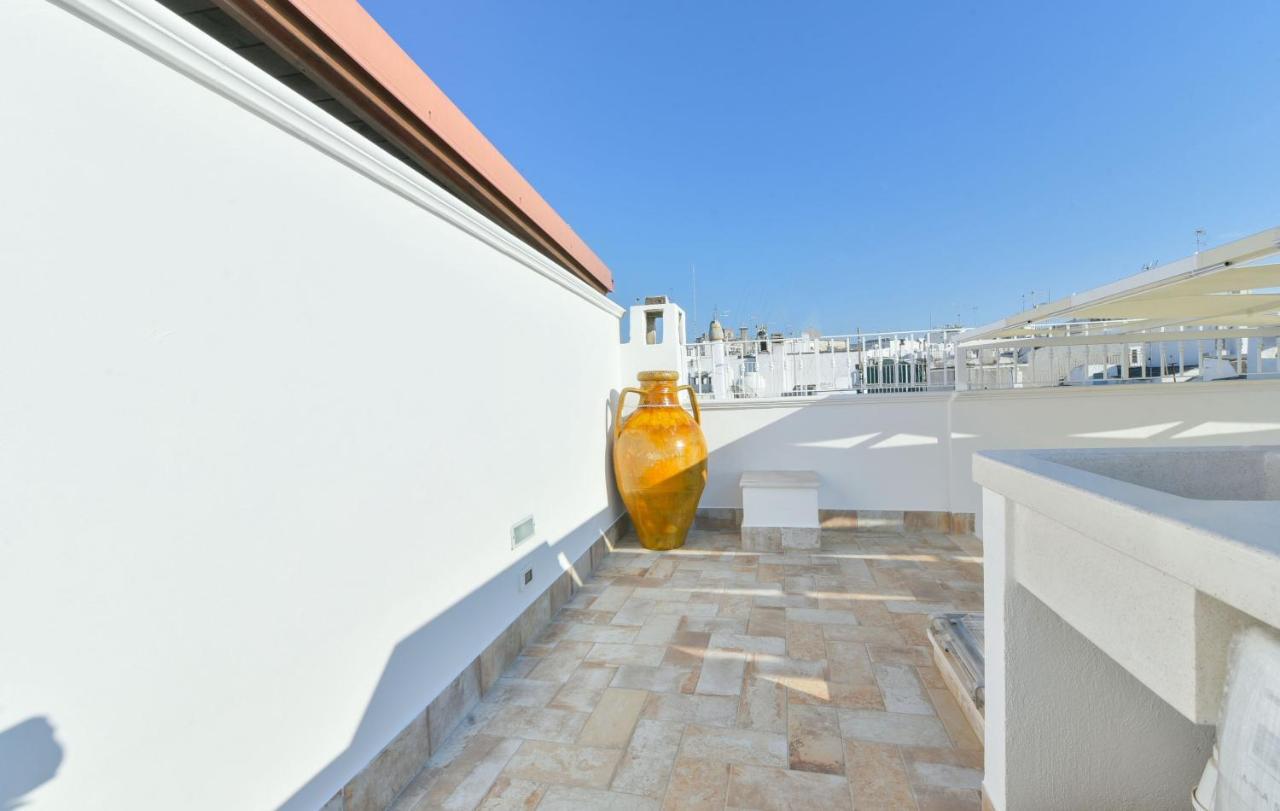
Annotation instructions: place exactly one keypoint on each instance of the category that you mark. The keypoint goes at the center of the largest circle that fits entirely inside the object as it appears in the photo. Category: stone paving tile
(952, 717)
(710, 678)
(583, 688)
(563, 764)
(510, 794)
(614, 717)
(768, 789)
(646, 765)
(763, 705)
(821, 616)
(892, 727)
(767, 622)
(915, 629)
(805, 641)
(565, 798)
(657, 679)
(633, 612)
(934, 798)
(612, 598)
(442, 775)
(722, 673)
(720, 711)
(522, 692)
(687, 648)
(944, 775)
(913, 607)
(749, 644)
(874, 613)
(878, 777)
(902, 689)
(600, 633)
(536, 724)
(813, 739)
(862, 633)
(472, 790)
(697, 785)
(560, 664)
(734, 745)
(849, 664)
(704, 611)
(901, 654)
(835, 694)
(610, 653)
(714, 624)
(658, 629)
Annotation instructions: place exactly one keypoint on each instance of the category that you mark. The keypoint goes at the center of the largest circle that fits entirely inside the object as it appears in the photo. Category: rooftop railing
(1092, 353)
(806, 366)
(1070, 354)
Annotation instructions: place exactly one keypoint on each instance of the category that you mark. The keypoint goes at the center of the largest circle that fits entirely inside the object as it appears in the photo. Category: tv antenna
(693, 269)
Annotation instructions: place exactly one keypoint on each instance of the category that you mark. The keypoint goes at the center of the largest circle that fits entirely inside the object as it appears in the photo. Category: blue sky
(871, 165)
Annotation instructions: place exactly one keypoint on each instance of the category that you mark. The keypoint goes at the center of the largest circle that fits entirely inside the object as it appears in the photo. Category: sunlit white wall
(244, 456)
(884, 451)
(915, 451)
(1149, 415)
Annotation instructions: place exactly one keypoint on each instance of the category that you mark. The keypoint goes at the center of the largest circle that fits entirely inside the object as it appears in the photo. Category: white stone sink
(1157, 556)
(1210, 474)
(1114, 582)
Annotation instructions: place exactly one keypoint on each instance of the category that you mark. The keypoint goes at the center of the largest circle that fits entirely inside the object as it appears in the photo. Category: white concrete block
(785, 500)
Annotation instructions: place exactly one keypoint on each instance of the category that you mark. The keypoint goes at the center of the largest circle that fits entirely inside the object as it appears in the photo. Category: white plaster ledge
(1226, 548)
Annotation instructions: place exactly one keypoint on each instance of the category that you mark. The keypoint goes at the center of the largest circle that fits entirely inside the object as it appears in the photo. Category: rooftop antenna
(693, 269)
(1200, 234)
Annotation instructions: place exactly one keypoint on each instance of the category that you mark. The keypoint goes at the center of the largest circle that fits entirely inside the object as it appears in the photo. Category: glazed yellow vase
(660, 460)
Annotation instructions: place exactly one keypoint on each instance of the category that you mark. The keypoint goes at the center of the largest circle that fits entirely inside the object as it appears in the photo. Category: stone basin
(1115, 581)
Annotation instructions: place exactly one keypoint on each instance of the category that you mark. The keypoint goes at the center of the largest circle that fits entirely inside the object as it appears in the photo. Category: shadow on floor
(29, 757)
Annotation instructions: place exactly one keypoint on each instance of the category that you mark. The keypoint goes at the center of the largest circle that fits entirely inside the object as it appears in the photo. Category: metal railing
(1070, 354)
(806, 366)
(1092, 353)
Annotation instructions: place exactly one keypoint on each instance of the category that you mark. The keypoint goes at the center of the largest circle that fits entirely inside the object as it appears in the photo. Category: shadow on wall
(866, 457)
(916, 454)
(402, 691)
(29, 757)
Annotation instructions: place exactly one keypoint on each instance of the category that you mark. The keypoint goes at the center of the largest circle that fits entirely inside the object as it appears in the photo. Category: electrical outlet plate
(522, 531)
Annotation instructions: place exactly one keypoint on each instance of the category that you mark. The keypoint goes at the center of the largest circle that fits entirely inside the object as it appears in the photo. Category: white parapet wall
(266, 424)
(915, 451)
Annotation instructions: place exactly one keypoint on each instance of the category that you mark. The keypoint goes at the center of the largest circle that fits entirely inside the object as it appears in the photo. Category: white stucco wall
(1179, 415)
(262, 420)
(915, 451)
(872, 452)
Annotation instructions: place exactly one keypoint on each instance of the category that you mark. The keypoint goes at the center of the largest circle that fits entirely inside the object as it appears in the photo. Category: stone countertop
(1165, 508)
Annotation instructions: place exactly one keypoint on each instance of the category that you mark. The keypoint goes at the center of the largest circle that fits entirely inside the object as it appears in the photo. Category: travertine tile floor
(708, 677)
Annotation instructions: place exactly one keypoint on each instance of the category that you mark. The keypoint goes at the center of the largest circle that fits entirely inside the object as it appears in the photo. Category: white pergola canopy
(1220, 287)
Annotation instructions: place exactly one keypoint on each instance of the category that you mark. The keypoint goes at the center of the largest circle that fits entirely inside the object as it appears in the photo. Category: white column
(719, 371)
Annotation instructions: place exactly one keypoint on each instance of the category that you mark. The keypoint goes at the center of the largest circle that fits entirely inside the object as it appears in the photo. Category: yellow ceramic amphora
(660, 460)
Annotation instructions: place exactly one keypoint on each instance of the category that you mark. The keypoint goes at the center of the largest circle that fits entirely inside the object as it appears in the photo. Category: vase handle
(617, 410)
(693, 401)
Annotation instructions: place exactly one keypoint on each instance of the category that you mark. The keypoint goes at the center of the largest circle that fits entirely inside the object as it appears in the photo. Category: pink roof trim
(360, 36)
